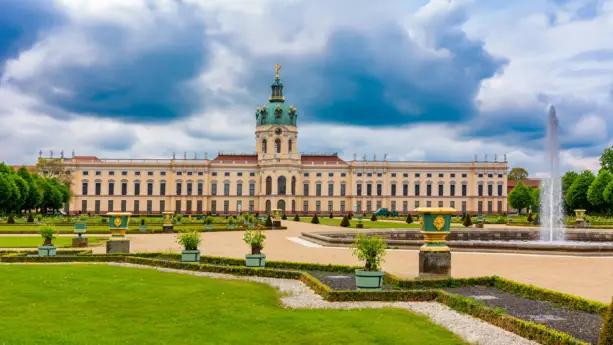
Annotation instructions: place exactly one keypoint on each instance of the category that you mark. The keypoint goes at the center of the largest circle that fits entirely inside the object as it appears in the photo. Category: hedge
(606, 333)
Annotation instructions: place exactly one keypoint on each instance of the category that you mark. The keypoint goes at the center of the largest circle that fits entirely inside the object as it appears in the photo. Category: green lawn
(69, 228)
(35, 241)
(96, 304)
(367, 223)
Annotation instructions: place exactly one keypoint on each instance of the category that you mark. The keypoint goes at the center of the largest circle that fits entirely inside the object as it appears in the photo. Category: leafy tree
(606, 159)
(529, 219)
(517, 174)
(595, 194)
(576, 195)
(520, 197)
(5, 169)
(608, 195)
(535, 197)
(567, 180)
(52, 196)
(35, 194)
(24, 190)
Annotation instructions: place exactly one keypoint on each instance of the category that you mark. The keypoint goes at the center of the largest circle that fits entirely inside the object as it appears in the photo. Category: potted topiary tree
(467, 221)
(284, 217)
(371, 250)
(208, 222)
(254, 238)
(345, 222)
(30, 218)
(296, 218)
(47, 232)
(190, 241)
(268, 223)
(315, 220)
(231, 222)
(331, 215)
(373, 218)
(409, 219)
(10, 219)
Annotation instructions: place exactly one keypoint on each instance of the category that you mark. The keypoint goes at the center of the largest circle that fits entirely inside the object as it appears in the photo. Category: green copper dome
(276, 112)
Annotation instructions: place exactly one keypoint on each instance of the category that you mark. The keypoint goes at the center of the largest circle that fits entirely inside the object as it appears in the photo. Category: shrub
(208, 220)
(179, 218)
(103, 220)
(409, 219)
(189, 239)
(39, 218)
(268, 221)
(606, 333)
(369, 249)
(345, 222)
(30, 218)
(373, 218)
(296, 218)
(231, 220)
(530, 219)
(315, 220)
(537, 220)
(349, 216)
(10, 219)
(247, 217)
(284, 217)
(47, 232)
(142, 221)
(255, 240)
(467, 221)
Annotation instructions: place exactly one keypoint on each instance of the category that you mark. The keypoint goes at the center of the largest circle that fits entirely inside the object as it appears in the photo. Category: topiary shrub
(284, 217)
(373, 218)
(10, 219)
(462, 217)
(606, 332)
(345, 222)
(268, 221)
(30, 218)
(537, 220)
(467, 221)
(142, 221)
(315, 220)
(331, 216)
(349, 216)
(296, 218)
(530, 219)
(409, 219)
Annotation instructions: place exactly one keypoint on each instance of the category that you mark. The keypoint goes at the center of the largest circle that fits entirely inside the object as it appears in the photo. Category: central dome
(276, 112)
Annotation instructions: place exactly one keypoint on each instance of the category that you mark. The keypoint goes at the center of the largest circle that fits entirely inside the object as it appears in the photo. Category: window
(379, 189)
(464, 175)
(124, 188)
(330, 206)
(178, 206)
(393, 174)
(198, 206)
(124, 173)
(162, 206)
(369, 174)
(464, 189)
(441, 175)
(110, 206)
(200, 173)
(394, 206)
(239, 189)
(416, 203)
(379, 174)
(252, 174)
(84, 187)
(179, 187)
(417, 190)
(480, 175)
(405, 206)
(452, 190)
(111, 173)
(463, 206)
(330, 174)
(264, 145)
(305, 188)
(480, 207)
(318, 189)
(189, 173)
(189, 188)
(343, 187)
(359, 174)
(179, 173)
(200, 187)
(490, 175)
(149, 173)
(330, 189)
(499, 175)
(305, 206)
(342, 206)
(318, 175)
(306, 174)
(136, 206)
(393, 189)
(84, 206)
(239, 174)
(441, 189)
(500, 190)
(369, 189)
(359, 191)
(359, 206)
(85, 173)
(251, 206)
(452, 175)
(405, 189)
(239, 205)
(111, 188)
(226, 174)
(97, 206)
(480, 190)
(428, 175)
(452, 204)
(149, 188)
(136, 188)
(214, 206)
(213, 188)
(149, 206)
(251, 189)
(429, 190)
(490, 209)
(162, 173)
(123, 206)
(98, 173)
(317, 206)
(289, 146)
(188, 206)
(226, 188)
(278, 146)
(490, 190)
(268, 185)
(499, 206)
(162, 188)
(428, 203)
(417, 174)
(214, 173)
(343, 174)
(368, 206)
(378, 204)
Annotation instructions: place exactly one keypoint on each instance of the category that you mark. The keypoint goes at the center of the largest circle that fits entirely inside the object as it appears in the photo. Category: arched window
(264, 144)
(268, 185)
(278, 145)
(293, 185)
(281, 185)
(289, 146)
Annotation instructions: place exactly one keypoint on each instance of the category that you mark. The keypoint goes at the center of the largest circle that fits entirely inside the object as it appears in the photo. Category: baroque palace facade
(278, 176)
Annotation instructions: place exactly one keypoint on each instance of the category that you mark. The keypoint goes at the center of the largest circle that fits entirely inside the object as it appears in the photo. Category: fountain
(551, 213)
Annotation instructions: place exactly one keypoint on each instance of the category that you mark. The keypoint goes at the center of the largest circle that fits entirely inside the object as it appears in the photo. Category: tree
(595, 194)
(567, 180)
(535, 197)
(520, 197)
(517, 174)
(608, 195)
(576, 195)
(24, 190)
(606, 159)
(315, 220)
(35, 194)
(54, 168)
(345, 222)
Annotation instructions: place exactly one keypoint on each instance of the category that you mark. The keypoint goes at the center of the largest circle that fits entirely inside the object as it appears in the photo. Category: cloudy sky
(419, 80)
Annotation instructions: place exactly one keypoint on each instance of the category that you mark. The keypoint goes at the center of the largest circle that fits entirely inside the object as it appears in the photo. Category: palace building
(278, 176)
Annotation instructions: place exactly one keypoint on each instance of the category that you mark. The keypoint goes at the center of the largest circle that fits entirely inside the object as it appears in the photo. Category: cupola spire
(277, 87)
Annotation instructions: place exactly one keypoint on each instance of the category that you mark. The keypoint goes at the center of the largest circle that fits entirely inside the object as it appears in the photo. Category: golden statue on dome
(277, 68)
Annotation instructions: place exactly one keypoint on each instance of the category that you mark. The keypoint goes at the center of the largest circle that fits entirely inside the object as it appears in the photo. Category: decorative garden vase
(47, 250)
(80, 227)
(369, 280)
(190, 255)
(255, 260)
(118, 224)
(434, 255)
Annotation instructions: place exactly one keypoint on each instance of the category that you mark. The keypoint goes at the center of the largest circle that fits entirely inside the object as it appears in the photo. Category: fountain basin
(511, 240)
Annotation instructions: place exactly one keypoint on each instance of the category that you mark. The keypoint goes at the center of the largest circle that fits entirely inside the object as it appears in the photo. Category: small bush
(373, 218)
(345, 222)
(268, 221)
(349, 216)
(467, 221)
(47, 232)
(606, 333)
(30, 218)
(409, 219)
(208, 220)
(530, 219)
(369, 249)
(315, 220)
(189, 240)
(103, 220)
(284, 217)
(296, 218)
(331, 215)
(537, 220)
(142, 221)
(10, 219)
(231, 220)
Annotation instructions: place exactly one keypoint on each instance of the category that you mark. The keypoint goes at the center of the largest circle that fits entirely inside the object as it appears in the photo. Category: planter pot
(142, 228)
(46, 251)
(369, 280)
(359, 226)
(190, 255)
(255, 260)
(479, 225)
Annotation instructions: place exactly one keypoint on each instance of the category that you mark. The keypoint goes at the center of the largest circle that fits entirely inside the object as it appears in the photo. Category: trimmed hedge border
(417, 290)
(107, 232)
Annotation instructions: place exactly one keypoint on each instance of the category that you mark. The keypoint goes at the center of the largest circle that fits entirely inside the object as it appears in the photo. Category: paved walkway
(589, 277)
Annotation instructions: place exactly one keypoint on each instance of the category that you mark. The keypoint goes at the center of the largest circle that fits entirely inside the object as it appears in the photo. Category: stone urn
(167, 225)
(580, 218)
(434, 254)
(118, 225)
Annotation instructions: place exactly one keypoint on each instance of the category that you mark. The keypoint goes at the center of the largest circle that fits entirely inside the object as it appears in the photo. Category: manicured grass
(35, 241)
(69, 229)
(97, 304)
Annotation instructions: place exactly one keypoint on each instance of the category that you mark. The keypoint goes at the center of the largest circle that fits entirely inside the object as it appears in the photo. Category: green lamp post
(434, 254)
(118, 225)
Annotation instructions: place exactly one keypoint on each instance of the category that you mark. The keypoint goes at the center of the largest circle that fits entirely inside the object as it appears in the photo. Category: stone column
(434, 255)
(118, 224)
